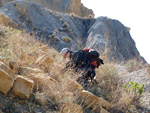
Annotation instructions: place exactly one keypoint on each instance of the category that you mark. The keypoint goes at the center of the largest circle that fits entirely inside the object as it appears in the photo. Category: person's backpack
(86, 58)
(79, 59)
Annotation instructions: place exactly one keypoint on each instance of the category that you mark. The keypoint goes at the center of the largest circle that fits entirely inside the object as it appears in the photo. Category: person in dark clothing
(86, 60)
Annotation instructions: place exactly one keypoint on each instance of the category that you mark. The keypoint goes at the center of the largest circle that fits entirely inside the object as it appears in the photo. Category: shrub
(115, 92)
(65, 25)
(53, 38)
(135, 88)
(66, 39)
(107, 78)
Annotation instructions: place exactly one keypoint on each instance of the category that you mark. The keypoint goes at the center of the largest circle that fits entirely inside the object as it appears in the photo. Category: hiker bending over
(83, 60)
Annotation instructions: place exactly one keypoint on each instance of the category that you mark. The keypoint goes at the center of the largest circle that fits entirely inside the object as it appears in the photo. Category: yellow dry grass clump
(22, 48)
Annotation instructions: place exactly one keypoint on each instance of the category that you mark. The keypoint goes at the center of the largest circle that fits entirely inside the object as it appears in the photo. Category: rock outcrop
(22, 87)
(7, 78)
(111, 38)
(74, 7)
(97, 104)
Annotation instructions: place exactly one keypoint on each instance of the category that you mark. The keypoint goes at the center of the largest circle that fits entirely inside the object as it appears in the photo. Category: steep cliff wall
(64, 6)
(112, 38)
(109, 37)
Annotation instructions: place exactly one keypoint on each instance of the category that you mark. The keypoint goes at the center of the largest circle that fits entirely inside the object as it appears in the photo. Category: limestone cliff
(110, 37)
(74, 7)
(113, 39)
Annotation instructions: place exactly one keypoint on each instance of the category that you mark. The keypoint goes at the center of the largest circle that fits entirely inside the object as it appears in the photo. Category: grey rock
(112, 37)
(64, 6)
(140, 76)
(42, 22)
(109, 37)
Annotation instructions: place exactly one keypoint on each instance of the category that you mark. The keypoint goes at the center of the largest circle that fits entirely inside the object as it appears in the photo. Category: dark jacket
(85, 61)
(78, 60)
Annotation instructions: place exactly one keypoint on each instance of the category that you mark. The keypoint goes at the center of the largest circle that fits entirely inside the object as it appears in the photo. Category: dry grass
(114, 91)
(22, 48)
(19, 47)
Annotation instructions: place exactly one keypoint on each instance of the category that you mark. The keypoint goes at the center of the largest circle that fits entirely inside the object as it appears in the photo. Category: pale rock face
(113, 40)
(28, 70)
(22, 87)
(7, 78)
(43, 82)
(92, 101)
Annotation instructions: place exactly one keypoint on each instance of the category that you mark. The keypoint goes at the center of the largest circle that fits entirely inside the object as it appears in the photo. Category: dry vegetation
(19, 47)
(112, 90)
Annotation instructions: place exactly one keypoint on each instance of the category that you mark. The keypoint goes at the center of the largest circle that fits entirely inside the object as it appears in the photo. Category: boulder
(28, 70)
(22, 87)
(43, 82)
(92, 101)
(7, 78)
(71, 108)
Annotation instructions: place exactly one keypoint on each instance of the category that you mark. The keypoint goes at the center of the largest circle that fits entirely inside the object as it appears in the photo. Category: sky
(132, 13)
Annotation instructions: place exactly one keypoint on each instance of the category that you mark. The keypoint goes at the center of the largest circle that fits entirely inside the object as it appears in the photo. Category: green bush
(53, 38)
(66, 39)
(135, 88)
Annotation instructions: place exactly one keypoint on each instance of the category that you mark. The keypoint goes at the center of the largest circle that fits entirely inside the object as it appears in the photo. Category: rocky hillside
(111, 38)
(31, 80)
(74, 7)
(142, 77)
